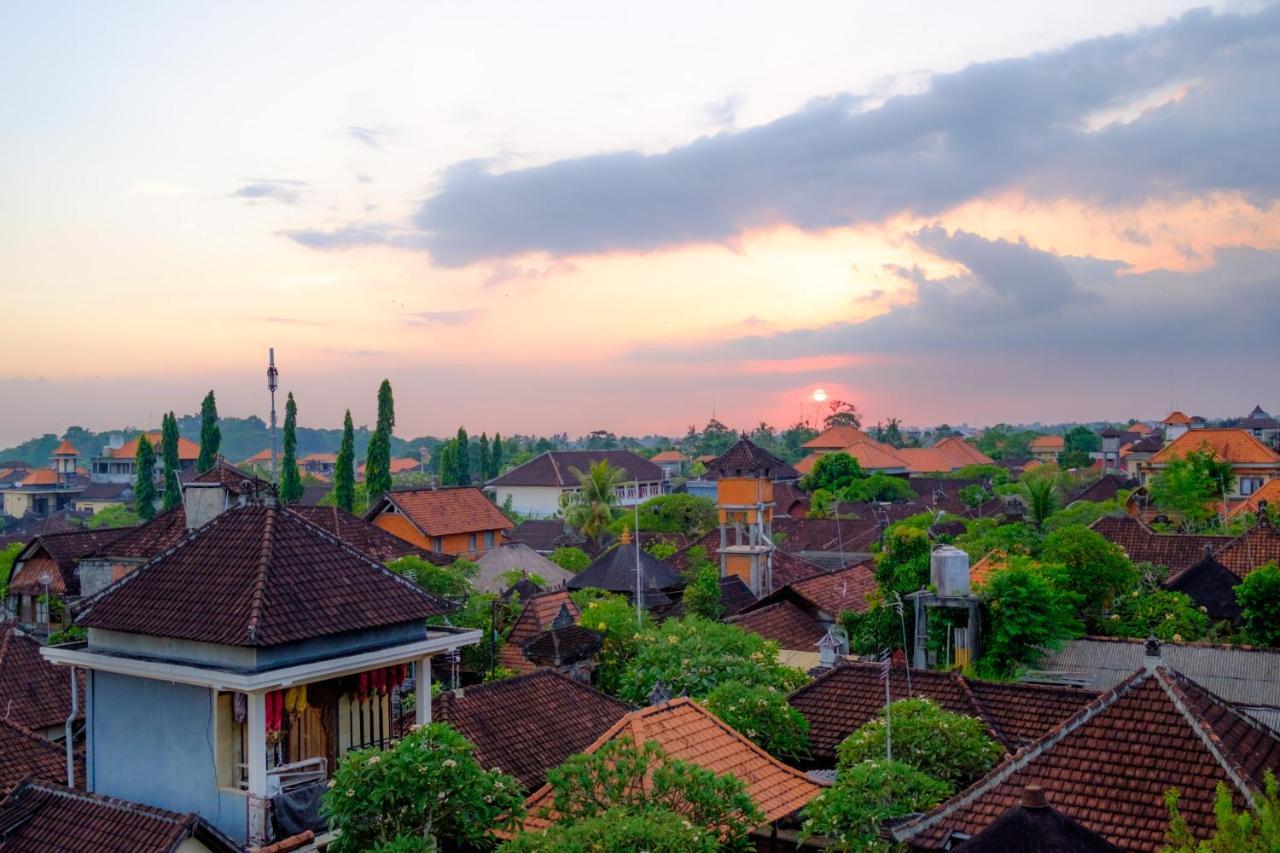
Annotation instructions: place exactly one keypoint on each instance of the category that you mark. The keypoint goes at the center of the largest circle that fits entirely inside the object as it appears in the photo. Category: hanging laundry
(240, 707)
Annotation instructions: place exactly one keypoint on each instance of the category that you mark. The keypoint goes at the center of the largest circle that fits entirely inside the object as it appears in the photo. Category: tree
(427, 786)
(1028, 617)
(453, 582)
(974, 496)
(486, 461)
(290, 477)
(903, 565)
(1255, 829)
(344, 471)
(116, 515)
(1040, 494)
(377, 466)
(952, 747)
(822, 504)
(210, 433)
(842, 414)
(849, 813)
(144, 480)
(1192, 487)
(495, 458)
(172, 464)
(879, 487)
(1160, 613)
(1081, 439)
(702, 594)
(763, 715)
(1083, 562)
(622, 774)
(448, 458)
(570, 558)
(591, 511)
(834, 472)
(689, 515)
(8, 555)
(614, 618)
(462, 458)
(1259, 599)
(654, 830)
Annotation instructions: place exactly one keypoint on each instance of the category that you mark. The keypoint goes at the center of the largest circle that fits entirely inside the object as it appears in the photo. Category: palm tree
(592, 512)
(1041, 497)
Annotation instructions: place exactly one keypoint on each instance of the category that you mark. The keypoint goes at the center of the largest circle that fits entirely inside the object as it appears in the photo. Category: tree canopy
(210, 433)
(171, 488)
(290, 477)
(344, 470)
(144, 479)
(834, 472)
(1259, 599)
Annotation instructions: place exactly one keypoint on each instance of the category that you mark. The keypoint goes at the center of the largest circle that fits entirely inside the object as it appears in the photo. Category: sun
(819, 395)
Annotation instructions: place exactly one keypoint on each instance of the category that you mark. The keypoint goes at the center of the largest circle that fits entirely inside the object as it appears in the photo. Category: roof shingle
(444, 512)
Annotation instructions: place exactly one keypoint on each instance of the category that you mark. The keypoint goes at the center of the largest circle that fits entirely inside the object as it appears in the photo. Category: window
(1249, 485)
(437, 544)
(488, 539)
(229, 737)
(471, 541)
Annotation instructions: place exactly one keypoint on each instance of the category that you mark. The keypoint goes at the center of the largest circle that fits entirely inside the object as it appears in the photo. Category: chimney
(1033, 798)
(203, 502)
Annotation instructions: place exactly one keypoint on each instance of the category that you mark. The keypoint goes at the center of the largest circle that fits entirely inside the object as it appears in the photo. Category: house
(950, 454)
(25, 754)
(615, 571)
(784, 623)
(99, 496)
(1034, 826)
(824, 596)
(1266, 497)
(1140, 453)
(45, 580)
(1262, 426)
(41, 492)
(115, 463)
(688, 732)
(1252, 462)
(1109, 766)
(42, 815)
(516, 557)
(398, 465)
(531, 723)
(33, 693)
(262, 649)
(457, 520)
(539, 614)
(545, 535)
(319, 464)
(367, 538)
(1211, 586)
(1045, 448)
(671, 462)
(1176, 425)
(873, 456)
(542, 486)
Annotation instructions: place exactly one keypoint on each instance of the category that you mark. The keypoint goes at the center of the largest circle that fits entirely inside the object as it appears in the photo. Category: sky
(573, 216)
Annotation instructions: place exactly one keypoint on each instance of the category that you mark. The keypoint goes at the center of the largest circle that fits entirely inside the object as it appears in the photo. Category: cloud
(503, 273)
(357, 236)
(460, 317)
(370, 136)
(1183, 108)
(283, 191)
(723, 114)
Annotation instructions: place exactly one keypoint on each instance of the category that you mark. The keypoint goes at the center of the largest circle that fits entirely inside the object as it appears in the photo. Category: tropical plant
(144, 479)
(1083, 562)
(8, 554)
(210, 433)
(614, 618)
(115, 515)
(879, 487)
(702, 594)
(1040, 495)
(377, 466)
(848, 815)
(569, 558)
(1192, 487)
(1160, 613)
(834, 472)
(1254, 829)
(1259, 599)
(654, 830)
(763, 715)
(591, 512)
(1027, 615)
(453, 582)
(428, 786)
(690, 515)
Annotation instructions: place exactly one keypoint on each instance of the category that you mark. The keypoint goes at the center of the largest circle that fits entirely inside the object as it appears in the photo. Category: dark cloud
(461, 317)
(1059, 123)
(283, 191)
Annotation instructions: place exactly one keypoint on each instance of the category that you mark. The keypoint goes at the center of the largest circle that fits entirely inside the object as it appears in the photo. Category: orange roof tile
(441, 512)
(670, 456)
(874, 456)
(263, 455)
(320, 457)
(66, 449)
(40, 477)
(1236, 446)
(1270, 492)
(688, 732)
(537, 616)
(187, 450)
(837, 438)
(1176, 419)
(1048, 442)
(981, 571)
(1138, 427)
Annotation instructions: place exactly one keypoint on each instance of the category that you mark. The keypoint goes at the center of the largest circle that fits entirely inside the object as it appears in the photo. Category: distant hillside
(241, 438)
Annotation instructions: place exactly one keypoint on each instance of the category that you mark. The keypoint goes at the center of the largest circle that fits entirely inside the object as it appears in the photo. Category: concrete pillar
(919, 659)
(422, 691)
(256, 736)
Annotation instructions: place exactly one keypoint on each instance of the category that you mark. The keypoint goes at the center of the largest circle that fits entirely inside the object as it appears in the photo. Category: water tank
(949, 570)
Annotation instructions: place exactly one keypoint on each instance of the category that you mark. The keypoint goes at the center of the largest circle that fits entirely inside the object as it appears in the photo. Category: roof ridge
(980, 709)
(260, 577)
(36, 737)
(141, 809)
(555, 467)
(746, 741)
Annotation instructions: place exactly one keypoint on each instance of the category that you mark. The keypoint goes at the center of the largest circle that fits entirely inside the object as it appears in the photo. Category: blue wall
(152, 742)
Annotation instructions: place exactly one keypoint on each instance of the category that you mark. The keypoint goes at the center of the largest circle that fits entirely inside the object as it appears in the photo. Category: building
(33, 693)
(824, 596)
(319, 464)
(1252, 461)
(538, 615)
(458, 520)
(543, 485)
(45, 580)
(1262, 426)
(1176, 425)
(516, 557)
(41, 492)
(115, 464)
(744, 504)
(950, 454)
(873, 456)
(1034, 826)
(615, 571)
(1045, 448)
(671, 462)
(262, 649)
(99, 496)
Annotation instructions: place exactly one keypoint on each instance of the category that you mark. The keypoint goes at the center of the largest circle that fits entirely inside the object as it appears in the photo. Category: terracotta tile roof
(58, 554)
(837, 438)
(23, 754)
(735, 596)
(367, 538)
(257, 576)
(1048, 442)
(164, 531)
(562, 645)
(188, 451)
(329, 458)
(262, 457)
(747, 459)
(230, 478)
(43, 816)
(615, 571)
(850, 695)
(529, 724)
(805, 534)
(1176, 419)
(33, 692)
(555, 468)
(1256, 547)
(831, 593)
(950, 454)
(873, 456)
(1176, 551)
(66, 449)
(39, 477)
(784, 623)
(117, 492)
(790, 569)
(688, 732)
(669, 456)
(1104, 488)
(1230, 445)
(1109, 766)
(1035, 827)
(444, 512)
(537, 616)
(1270, 492)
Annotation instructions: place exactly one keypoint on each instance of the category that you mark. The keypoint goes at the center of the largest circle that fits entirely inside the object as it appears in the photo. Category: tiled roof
(1230, 445)
(1035, 827)
(850, 695)
(669, 456)
(230, 478)
(66, 449)
(262, 457)
(1109, 766)
(537, 616)
(836, 438)
(688, 732)
(1210, 585)
(43, 816)
(829, 592)
(735, 596)
(1270, 492)
(1176, 419)
(745, 458)
(871, 455)
(443, 512)
(529, 724)
(1176, 551)
(330, 458)
(784, 623)
(615, 571)
(950, 454)
(1256, 547)
(791, 569)
(558, 646)
(547, 535)
(1104, 488)
(257, 576)
(164, 531)
(23, 753)
(121, 492)
(1048, 442)
(40, 477)
(33, 692)
(555, 468)
(28, 527)
(367, 538)
(188, 451)
(61, 552)
(516, 556)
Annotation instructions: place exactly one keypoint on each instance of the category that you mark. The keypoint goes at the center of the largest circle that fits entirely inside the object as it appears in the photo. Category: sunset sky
(545, 217)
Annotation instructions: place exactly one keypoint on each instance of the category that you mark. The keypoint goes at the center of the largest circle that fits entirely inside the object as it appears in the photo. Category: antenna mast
(272, 373)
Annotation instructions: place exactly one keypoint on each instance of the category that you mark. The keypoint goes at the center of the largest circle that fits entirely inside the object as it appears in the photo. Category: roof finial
(625, 538)
(1152, 652)
(1033, 798)
(660, 694)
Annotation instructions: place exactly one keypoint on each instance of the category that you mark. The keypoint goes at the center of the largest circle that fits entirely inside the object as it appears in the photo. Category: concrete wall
(537, 501)
(153, 742)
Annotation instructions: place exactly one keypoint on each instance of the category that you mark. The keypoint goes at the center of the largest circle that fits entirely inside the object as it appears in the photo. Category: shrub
(570, 558)
(850, 812)
(1027, 617)
(764, 715)
(1259, 599)
(653, 829)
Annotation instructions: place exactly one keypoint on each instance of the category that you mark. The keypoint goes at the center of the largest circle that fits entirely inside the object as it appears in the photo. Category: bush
(850, 812)
(1028, 616)
(690, 515)
(116, 515)
(951, 747)
(570, 558)
(1259, 599)
(1250, 830)
(429, 785)
(834, 472)
(654, 830)
(452, 581)
(1091, 567)
(702, 594)
(1162, 613)
(879, 487)
(764, 715)
(615, 620)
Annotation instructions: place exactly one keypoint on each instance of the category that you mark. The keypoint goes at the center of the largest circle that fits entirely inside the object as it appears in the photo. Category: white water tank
(949, 570)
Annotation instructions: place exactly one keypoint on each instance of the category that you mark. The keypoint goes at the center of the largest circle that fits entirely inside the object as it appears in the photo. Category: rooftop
(443, 512)
(538, 614)
(555, 468)
(615, 571)
(24, 754)
(57, 555)
(188, 451)
(33, 692)
(1236, 446)
(784, 623)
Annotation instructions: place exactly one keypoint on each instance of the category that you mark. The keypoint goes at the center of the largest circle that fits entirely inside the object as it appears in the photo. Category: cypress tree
(449, 463)
(344, 475)
(144, 480)
(377, 469)
(485, 461)
(495, 457)
(290, 481)
(463, 460)
(210, 433)
(169, 453)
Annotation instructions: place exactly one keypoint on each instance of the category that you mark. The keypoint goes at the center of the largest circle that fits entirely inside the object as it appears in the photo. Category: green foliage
(984, 535)
(764, 715)
(1081, 439)
(875, 629)
(850, 812)
(495, 458)
(879, 487)
(1083, 562)
(569, 558)
(172, 489)
(1192, 487)
(344, 471)
(1162, 613)
(690, 515)
(377, 466)
(1005, 442)
(951, 747)
(974, 496)
(144, 480)
(1250, 830)
(290, 476)
(822, 504)
(834, 472)
(693, 656)
(615, 775)
(462, 458)
(1074, 459)
(615, 620)
(1085, 513)
(661, 548)
(1259, 599)
(702, 594)
(484, 458)
(903, 565)
(591, 511)
(1040, 494)
(1028, 616)
(116, 515)
(8, 554)
(453, 581)
(992, 474)
(210, 433)
(654, 830)
(428, 786)
(70, 634)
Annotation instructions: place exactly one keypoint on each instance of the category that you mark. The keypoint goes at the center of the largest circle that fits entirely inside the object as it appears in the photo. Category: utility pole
(272, 384)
